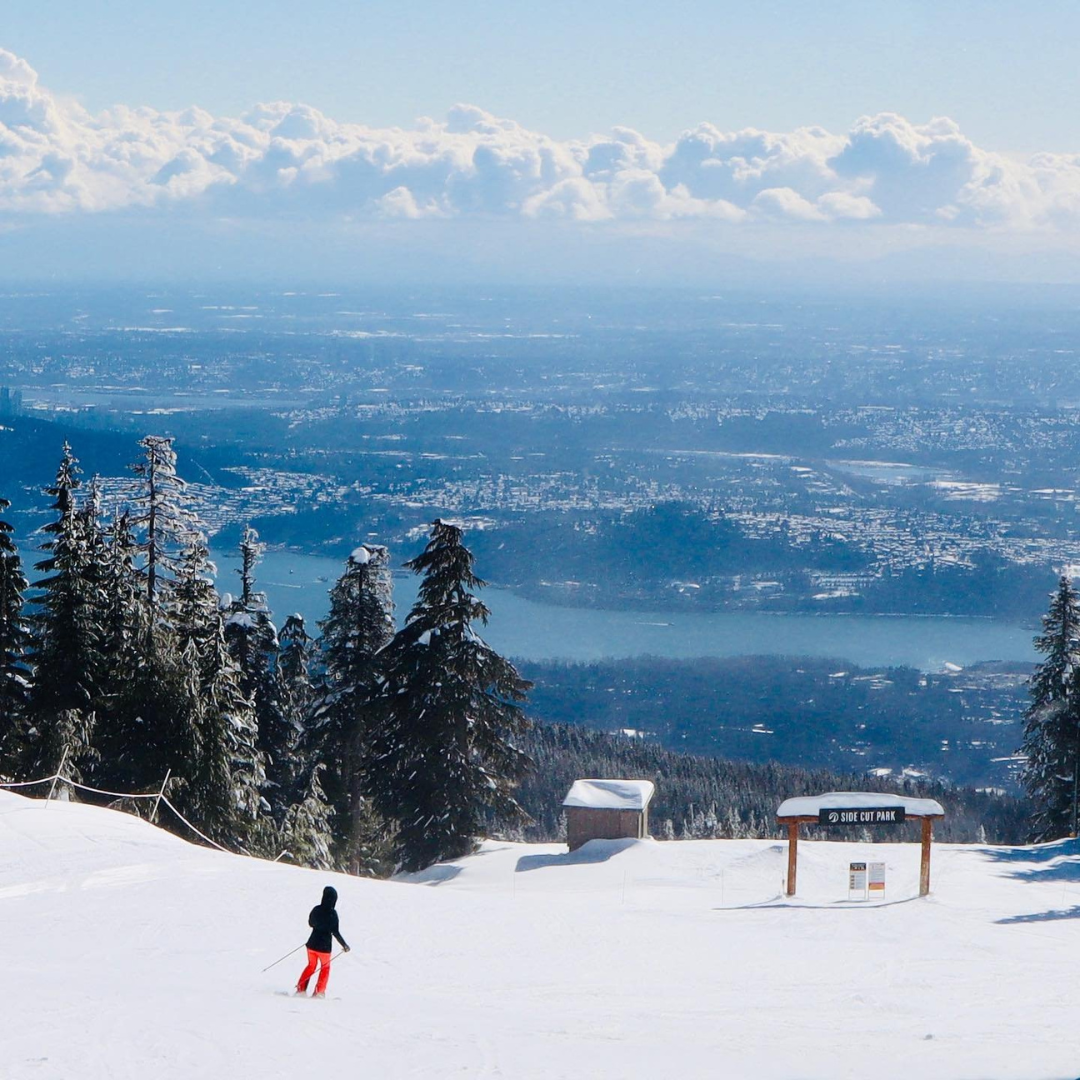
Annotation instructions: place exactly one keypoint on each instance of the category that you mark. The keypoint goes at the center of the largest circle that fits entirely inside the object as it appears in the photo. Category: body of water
(531, 630)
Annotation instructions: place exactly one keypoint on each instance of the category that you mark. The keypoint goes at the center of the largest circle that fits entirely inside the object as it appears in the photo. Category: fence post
(157, 801)
(59, 770)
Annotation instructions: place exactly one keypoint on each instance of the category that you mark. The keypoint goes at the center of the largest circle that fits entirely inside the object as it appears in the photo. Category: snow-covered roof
(812, 805)
(610, 794)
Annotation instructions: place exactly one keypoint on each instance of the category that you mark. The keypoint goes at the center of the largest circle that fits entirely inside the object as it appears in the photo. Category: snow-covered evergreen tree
(252, 640)
(145, 731)
(123, 614)
(296, 655)
(297, 700)
(65, 747)
(228, 777)
(162, 513)
(294, 776)
(442, 754)
(249, 629)
(1051, 744)
(89, 514)
(306, 832)
(145, 711)
(147, 722)
(127, 658)
(68, 665)
(95, 555)
(14, 643)
(359, 625)
(222, 768)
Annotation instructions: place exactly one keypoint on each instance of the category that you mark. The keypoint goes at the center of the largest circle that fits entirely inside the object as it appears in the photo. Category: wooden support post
(924, 872)
(157, 801)
(58, 775)
(792, 855)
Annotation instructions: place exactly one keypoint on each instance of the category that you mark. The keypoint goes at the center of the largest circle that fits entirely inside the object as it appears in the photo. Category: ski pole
(285, 957)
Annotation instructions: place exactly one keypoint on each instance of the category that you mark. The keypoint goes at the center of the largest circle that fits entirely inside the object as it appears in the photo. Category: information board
(857, 880)
(876, 879)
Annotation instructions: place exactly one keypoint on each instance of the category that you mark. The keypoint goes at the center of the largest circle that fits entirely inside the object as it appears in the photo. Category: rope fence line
(159, 796)
(26, 783)
(166, 801)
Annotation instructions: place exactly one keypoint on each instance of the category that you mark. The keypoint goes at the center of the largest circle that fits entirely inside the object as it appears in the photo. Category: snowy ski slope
(132, 955)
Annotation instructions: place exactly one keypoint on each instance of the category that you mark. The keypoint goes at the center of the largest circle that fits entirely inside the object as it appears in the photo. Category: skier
(323, 921)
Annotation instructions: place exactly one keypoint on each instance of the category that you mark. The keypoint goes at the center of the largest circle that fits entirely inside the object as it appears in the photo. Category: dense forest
(959, 726)
(123, 671)
(700, 797)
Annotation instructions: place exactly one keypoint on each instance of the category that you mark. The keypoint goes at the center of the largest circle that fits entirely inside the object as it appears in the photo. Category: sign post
(792, 856)
(839, 809)
(924, 869)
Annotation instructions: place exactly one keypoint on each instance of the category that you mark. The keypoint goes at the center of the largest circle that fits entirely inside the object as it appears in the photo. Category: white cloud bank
(56, 158)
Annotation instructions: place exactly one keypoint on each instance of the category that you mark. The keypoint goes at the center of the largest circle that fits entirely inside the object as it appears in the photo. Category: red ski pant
(322, 959)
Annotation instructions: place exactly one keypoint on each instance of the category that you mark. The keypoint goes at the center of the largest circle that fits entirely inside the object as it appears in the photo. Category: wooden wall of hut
(587, 823)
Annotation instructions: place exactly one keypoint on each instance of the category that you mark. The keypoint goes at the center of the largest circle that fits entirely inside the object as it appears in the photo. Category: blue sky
(1005, 71)
(842, 163)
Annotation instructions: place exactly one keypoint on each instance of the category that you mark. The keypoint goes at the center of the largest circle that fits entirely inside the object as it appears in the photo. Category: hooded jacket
(323, 921)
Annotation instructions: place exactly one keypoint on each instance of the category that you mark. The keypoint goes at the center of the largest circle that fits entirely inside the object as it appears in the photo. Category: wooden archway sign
(868, 809)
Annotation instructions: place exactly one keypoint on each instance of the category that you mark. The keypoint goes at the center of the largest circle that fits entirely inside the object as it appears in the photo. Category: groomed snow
(810, 805)
(132, 955)
(610, 794)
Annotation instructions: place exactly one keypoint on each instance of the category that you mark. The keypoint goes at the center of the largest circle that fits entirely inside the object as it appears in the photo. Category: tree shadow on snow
(1064, 871)
(1064, 854)
(1034, 854)
(1041, 916)
(779, 903)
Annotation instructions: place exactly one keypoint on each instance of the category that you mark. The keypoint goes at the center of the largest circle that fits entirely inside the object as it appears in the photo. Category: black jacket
(323, 921)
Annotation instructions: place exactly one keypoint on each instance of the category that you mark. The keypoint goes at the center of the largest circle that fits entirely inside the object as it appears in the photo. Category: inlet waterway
(532, 630)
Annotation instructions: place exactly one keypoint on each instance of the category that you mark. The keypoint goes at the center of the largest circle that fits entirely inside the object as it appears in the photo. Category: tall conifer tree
(67, 658)
(162, 513)
(443, 753)
(249, 629)
(222, 766)
(122, 616)
(130, 661)
(1051, 742)
(148, 727)
(296, 655)
(306, 830)
(252, 640)
(359, 625)
(297, 699)
(14, 642)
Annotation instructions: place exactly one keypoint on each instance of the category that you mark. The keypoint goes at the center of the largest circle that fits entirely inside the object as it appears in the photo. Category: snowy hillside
(132, 954)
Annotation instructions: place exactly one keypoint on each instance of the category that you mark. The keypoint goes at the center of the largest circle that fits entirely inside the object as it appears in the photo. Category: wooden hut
(607, 810)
